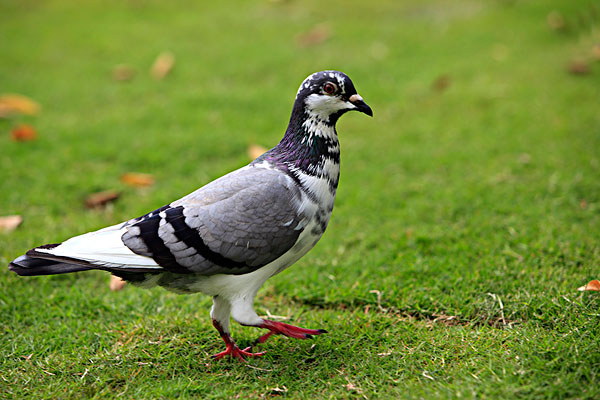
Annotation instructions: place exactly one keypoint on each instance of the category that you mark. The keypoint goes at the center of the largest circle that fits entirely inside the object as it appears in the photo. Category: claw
(235, 352)
(274, 327)
(231, 348)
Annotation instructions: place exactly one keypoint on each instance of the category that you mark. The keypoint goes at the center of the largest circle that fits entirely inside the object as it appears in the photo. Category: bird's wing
(233, 225)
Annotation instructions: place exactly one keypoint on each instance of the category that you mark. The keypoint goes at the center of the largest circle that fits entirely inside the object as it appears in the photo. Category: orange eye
(329, 88)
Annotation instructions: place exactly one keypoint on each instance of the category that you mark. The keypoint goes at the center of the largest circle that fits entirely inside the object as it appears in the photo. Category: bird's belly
(248, 284)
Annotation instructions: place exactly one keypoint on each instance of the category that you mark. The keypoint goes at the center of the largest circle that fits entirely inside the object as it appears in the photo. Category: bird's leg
(243, 313)
(220, 318)
(280, 328)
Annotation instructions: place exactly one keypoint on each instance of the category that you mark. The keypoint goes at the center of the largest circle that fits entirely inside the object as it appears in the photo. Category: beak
(360, 104)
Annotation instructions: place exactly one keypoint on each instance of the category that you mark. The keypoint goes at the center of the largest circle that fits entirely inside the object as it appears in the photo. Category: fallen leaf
(23, 133)
(101, 199)
(579, 67)
(441, 83)
(278, 391)
(255, 151)
(17, 104)
(137, 179)
(352, 387)
(449, 320)
(555, 21)
(596, 51)
(116, 283)
(123, 72)
(524, 158)
(593, 285)
(162, 65)
(314, 36)
(10, 223)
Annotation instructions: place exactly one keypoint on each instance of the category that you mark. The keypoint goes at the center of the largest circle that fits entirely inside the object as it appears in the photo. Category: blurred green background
(467, 216)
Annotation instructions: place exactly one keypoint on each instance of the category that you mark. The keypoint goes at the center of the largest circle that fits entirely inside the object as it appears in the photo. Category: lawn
(467, 216)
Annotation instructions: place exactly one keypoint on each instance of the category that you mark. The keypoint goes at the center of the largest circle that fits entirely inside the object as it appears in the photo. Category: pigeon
(228, 237)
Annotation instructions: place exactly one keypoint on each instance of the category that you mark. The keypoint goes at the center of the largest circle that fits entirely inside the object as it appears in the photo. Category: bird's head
(329, 94)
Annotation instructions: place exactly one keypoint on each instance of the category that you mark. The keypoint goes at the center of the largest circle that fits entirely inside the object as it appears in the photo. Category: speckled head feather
(314, 82)
(311, 138)
(326, 95)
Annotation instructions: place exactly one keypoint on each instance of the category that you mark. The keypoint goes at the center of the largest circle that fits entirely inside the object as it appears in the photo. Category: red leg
(231, 348)
(280, 328)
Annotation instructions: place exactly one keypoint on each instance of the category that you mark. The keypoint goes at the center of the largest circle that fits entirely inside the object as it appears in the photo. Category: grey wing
(233, 225)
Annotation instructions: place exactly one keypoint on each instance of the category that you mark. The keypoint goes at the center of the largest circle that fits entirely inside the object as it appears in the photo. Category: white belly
(232, 286)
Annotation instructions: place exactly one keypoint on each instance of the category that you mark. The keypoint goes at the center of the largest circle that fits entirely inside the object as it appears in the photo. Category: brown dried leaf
(317, 35)
(441, 83)
(524, 158)
(101, 199)
(448, 320)
(596, 51)
(555, 21)
(162, 65)
(137, 179)
(352, 387)
(278, 391)
(116, 283)
(593, 285)
(11, 104)
(255, 151)
(123, 72)
(579, 67)
(10, 223)
(23, 133)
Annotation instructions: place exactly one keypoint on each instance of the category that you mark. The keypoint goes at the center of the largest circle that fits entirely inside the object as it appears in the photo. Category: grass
(466, 218)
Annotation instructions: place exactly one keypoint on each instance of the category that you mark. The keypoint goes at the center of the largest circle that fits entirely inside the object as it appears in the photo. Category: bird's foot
(279, 328)
(235, 352)
(231, 348)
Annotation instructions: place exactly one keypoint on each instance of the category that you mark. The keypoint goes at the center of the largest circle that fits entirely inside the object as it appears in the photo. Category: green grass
(473, 211)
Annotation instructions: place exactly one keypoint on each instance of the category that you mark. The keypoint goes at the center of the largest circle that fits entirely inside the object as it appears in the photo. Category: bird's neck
(309, 153)
(309, 145)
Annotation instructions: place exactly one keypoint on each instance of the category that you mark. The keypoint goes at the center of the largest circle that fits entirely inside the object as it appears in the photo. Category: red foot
(231, 348)
(287, 330)
(235, 352)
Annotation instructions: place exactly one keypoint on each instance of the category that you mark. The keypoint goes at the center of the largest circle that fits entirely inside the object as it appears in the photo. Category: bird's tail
(36, 263)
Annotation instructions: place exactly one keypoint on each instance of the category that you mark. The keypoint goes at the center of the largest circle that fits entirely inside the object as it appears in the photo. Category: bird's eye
(329, 88)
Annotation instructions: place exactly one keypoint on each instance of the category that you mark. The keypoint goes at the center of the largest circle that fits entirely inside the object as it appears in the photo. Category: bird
(228, 237)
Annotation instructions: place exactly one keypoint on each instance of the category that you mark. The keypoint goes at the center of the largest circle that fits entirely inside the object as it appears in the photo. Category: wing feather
(233, 225)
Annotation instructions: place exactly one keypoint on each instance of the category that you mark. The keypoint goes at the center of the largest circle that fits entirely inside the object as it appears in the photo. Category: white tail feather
(103, 248)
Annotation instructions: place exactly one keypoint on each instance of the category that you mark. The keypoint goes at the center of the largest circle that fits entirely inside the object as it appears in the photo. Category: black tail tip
(17, 269)
(32, 266)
